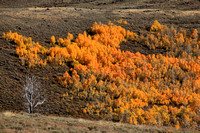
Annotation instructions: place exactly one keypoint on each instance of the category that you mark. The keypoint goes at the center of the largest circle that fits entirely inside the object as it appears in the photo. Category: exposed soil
(40, 19)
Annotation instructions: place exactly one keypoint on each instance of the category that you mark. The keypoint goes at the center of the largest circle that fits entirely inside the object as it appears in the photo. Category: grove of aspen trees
(162, 89)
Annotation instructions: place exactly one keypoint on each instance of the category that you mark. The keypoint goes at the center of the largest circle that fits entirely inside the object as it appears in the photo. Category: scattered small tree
(33, 93)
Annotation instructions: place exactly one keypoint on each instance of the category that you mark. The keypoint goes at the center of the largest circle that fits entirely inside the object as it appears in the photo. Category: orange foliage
(26, 49)
(53, 40)
(124, 86)
(121, 21)
(156, 26)
(177, 43)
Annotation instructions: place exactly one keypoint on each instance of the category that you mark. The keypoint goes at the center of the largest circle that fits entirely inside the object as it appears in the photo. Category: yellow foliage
(53, 40)
(156, 26)
(177, 126)
(121, 21)
(131, 87)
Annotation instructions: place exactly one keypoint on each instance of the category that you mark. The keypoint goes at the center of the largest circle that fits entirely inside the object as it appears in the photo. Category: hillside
(136, 62)
(23, 122)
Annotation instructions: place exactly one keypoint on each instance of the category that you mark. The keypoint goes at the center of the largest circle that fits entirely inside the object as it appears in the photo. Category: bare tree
(33, 93)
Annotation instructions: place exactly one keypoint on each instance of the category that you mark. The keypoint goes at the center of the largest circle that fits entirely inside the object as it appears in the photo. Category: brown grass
(23, 122)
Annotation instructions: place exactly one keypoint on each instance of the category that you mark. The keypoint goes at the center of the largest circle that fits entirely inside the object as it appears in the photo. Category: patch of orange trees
(123, 86)
(121, 21)
(177, 43)
(27, 50)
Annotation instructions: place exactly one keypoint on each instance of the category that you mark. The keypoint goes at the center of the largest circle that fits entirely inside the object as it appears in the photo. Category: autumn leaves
(176, 43)
(125, 86)
(27, 50)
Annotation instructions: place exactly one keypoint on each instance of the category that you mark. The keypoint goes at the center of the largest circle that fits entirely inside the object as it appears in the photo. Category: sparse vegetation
(33, 94)
(121, 21)
(23, 122)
